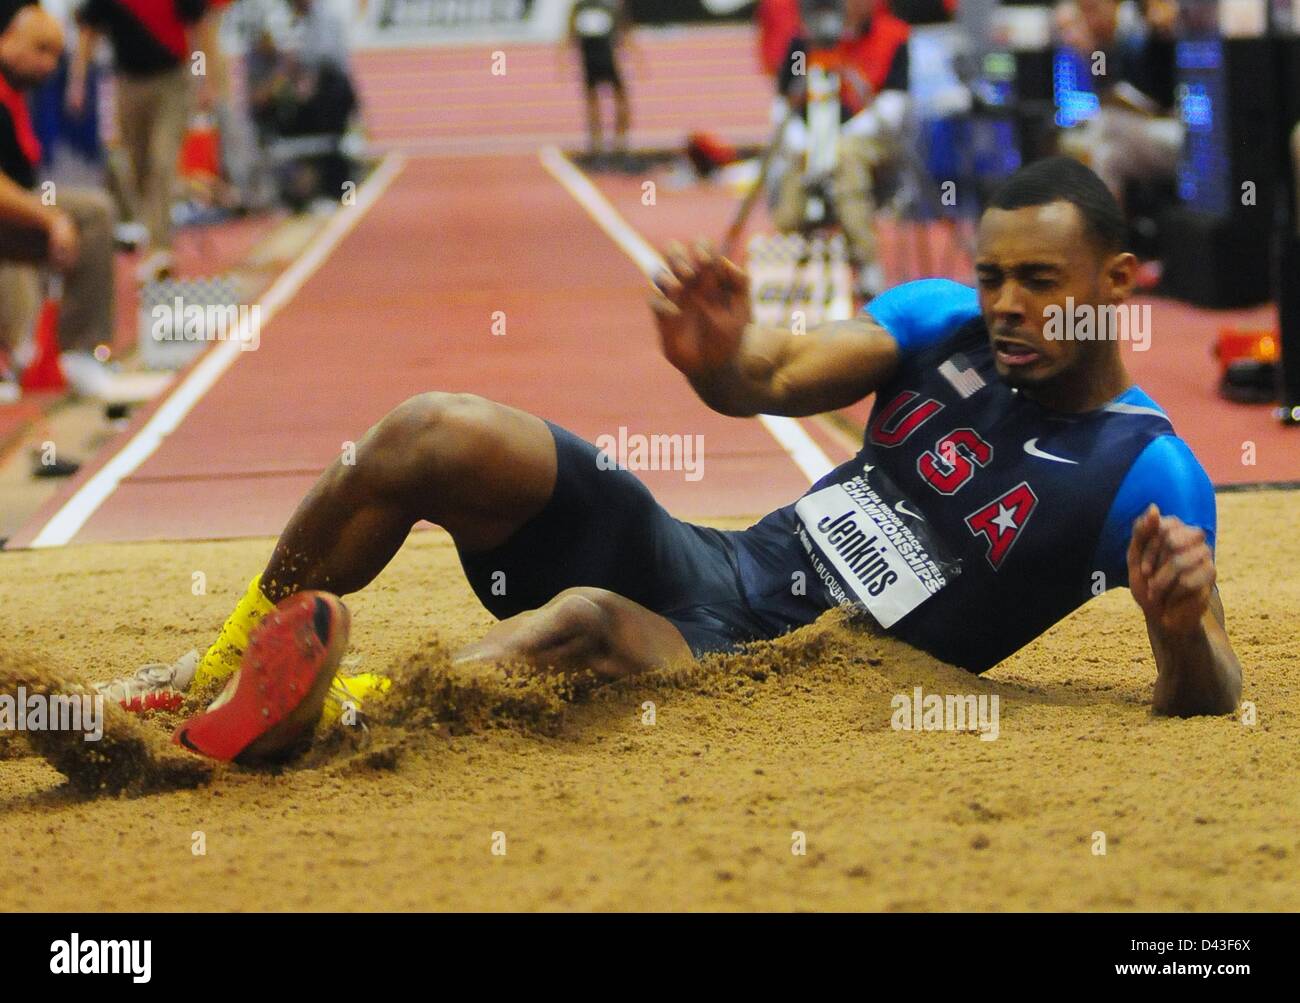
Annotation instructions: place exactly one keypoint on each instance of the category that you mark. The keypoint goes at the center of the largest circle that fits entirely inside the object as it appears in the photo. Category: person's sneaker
(11, 390)
(130, 235)
(322, 207)
(22, 355)
(44, 466)
(271, 705)
(152, 686)
(88, 376)
(156, 266)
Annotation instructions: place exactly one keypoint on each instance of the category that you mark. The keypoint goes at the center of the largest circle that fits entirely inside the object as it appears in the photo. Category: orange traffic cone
(45, 373)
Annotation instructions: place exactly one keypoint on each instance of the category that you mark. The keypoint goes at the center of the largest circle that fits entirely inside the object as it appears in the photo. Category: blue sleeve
(1168, 474)
(922, 313)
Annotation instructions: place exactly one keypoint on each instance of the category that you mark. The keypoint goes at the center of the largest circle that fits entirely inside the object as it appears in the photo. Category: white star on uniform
(1003, 519)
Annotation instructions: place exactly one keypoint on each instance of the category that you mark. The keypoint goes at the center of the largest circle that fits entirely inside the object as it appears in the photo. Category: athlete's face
(1029, 263)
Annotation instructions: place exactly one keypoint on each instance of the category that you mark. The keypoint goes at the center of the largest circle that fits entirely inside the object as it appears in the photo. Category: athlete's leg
(536, 517)
(486, 473)
(478, 469)
(583, 628)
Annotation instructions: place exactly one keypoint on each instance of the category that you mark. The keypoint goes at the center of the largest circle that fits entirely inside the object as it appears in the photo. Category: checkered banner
(179, 318)
(800, 282)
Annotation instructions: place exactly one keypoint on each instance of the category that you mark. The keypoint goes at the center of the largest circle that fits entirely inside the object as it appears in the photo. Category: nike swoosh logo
(1031, 447)
(902, 507)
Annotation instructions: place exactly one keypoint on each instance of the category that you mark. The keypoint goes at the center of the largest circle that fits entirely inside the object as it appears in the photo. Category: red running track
(447, 99)
(405, 304)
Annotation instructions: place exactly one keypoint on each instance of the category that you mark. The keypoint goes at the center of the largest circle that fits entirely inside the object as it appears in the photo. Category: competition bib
(869, 545)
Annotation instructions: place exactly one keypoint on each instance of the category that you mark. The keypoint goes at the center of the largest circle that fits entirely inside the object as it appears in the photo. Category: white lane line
(68, 520)
(803, 449)
(800, 446)
(598, 208)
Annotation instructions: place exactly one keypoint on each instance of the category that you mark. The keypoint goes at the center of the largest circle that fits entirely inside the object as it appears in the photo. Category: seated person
(65, 229)
(866, 48)
(306, 93)
(1134, 136)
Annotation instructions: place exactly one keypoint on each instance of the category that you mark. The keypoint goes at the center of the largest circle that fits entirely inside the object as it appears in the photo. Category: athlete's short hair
(1056, 179)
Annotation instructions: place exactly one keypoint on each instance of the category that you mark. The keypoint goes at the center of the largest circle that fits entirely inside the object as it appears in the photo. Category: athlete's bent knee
(583, 611)
(428, 438)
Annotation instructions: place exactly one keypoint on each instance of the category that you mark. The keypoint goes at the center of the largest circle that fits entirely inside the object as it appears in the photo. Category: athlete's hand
(701, 308)
(1170, 571)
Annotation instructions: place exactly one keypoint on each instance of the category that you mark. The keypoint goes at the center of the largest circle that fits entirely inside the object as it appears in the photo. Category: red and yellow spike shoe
(271, 705)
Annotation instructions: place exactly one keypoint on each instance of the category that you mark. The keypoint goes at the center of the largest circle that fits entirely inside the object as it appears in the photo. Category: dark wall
(685, 11)
(920, 11)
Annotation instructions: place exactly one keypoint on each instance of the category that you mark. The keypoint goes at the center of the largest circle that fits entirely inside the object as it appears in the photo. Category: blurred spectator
(322, 79)
(1130, 49)
(217, 104)
(251, 169)
(778, 25)
(867, 49)
(56, 129)
(306, 94)
(324, 35)
(598, 29)
(151, 49)
(205, 36)
(67, 229)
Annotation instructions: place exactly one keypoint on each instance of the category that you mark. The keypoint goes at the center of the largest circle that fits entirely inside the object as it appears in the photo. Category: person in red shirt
(868, 52)
(66, 230)
(152, 48)
(778, 24)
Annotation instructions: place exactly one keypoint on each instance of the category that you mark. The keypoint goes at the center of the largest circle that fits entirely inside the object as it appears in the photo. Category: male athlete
(1005, 478)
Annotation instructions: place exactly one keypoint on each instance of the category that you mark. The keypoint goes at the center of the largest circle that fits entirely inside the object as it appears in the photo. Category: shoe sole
(278, 695)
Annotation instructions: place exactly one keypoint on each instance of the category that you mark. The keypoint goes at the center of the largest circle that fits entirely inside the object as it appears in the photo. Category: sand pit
(699, 810)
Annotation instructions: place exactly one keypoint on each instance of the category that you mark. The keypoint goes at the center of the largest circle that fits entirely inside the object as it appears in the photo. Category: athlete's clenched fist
(1170, 571)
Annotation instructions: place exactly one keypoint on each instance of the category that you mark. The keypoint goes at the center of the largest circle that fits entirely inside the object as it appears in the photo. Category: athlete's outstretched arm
(1171, 574)
(739, 368)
